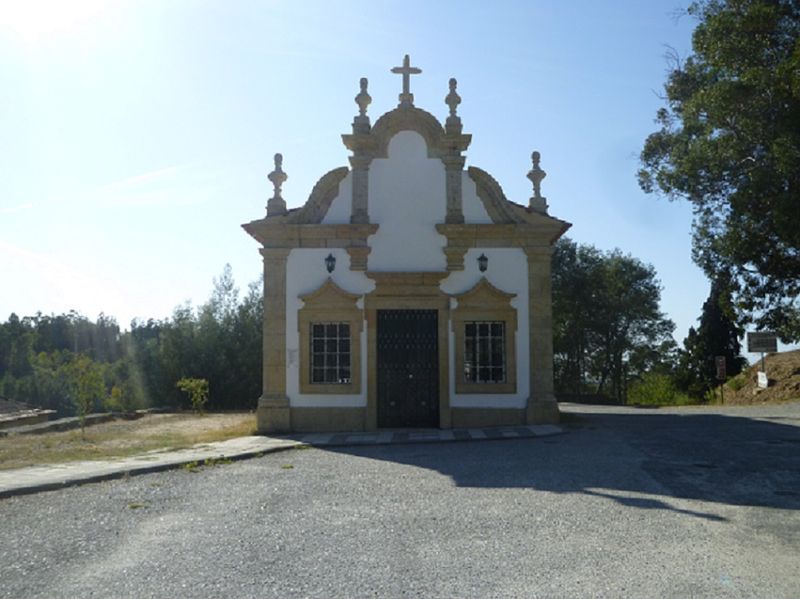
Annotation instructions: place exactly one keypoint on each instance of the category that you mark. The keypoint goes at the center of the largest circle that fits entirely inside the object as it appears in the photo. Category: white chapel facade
(407, 292)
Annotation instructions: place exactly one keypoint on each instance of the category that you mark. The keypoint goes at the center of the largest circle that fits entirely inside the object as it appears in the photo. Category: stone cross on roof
(406, 98)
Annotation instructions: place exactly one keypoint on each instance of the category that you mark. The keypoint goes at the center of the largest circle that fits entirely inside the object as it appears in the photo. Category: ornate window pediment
(484, 326)
(330, 324)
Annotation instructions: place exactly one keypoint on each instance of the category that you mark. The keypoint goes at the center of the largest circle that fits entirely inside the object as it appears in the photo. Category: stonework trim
(461, 237)
(290, 236)
(481, 417)
(542, 405)
(272, 415)
(329, 420)
(484, 302)
(330, 304)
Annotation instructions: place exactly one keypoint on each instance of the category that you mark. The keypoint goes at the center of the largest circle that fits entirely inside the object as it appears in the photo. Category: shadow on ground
(638, 458)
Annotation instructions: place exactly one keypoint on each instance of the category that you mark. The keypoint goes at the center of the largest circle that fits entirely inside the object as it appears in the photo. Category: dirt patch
(154, 432)
(783, 370)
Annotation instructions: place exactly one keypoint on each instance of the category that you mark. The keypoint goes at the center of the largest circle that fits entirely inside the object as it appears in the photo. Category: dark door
(408, 368)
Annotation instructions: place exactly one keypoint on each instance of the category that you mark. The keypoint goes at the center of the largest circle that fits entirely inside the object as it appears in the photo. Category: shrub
(657, 390)
(197, 390)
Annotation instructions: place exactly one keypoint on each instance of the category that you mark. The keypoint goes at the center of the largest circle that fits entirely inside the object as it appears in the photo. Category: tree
(729, 142)
(608, 327)
(717, 335)
(88, 387)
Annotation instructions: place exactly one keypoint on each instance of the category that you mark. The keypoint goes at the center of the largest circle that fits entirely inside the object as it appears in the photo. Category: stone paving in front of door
(426, 435)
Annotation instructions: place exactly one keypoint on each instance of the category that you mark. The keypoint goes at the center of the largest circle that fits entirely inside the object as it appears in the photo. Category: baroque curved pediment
(491, 195)
(407, 119)
(320, 199)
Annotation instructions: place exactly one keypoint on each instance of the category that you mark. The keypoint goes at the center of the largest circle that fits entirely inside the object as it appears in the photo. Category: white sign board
(763, 381)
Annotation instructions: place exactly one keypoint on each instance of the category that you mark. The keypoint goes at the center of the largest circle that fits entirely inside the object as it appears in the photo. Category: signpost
(760, 343)
(719, 362)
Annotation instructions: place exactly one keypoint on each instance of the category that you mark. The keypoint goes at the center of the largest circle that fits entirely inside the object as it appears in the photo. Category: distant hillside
(783, 371)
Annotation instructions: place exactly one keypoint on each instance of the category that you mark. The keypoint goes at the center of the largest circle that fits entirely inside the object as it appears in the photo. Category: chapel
(408, 291)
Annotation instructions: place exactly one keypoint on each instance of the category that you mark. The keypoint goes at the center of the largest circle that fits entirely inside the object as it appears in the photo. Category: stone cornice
(396, 284)
(541, 233)
(461, 237)
(273, 234)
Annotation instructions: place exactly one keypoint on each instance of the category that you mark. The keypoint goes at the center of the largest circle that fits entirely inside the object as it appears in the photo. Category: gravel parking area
(634, 503)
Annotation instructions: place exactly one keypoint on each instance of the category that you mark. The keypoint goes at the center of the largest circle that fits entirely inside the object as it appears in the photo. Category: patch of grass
(287, 466)
(737, 383)
(657, 390)
(191, 467)
(122, 438)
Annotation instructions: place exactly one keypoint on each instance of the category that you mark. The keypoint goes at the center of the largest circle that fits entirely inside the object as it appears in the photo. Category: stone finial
(276, 204)
(536, 174)
(406, 97)
(453, 99)
(453, 123)
(363, 99)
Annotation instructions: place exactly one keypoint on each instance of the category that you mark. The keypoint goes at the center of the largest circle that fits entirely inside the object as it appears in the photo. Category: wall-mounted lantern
(330, 263)
(483, 263)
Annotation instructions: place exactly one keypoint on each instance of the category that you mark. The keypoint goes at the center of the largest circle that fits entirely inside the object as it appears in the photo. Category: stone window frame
(485, 303)
(330, 304)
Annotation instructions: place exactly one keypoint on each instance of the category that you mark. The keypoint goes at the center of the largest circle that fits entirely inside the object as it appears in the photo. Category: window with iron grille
(484, 352)
(330, 352)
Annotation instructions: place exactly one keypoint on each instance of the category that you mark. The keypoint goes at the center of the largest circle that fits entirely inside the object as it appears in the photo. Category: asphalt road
(627, 503)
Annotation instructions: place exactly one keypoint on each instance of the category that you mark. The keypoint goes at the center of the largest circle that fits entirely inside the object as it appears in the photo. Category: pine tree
(717, 335)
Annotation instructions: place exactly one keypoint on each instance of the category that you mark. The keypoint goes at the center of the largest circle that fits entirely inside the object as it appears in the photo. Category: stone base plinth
(480, 417)
(542, 411)
(273, 415)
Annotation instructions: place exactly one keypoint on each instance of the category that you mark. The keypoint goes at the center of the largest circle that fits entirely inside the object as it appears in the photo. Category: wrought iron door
(408, 368)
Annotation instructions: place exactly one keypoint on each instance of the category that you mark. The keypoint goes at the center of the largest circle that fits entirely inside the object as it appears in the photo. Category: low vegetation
(783, 372)
(120, 438)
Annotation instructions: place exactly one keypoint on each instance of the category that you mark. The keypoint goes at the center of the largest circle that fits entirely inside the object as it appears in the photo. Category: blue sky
(135, 137)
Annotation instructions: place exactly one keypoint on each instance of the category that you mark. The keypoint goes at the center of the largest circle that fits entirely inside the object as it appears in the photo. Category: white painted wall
(407, 198)
(508, 271)
(342, 205)
(471, 204)
(305, 272)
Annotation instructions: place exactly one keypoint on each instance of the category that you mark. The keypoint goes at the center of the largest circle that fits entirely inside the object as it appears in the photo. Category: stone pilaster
(542, 405)
(360, 212)
(358, 256)
(273, 405)
(454, 166)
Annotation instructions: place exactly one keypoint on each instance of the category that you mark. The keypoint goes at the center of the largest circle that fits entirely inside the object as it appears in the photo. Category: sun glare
(37, 20)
